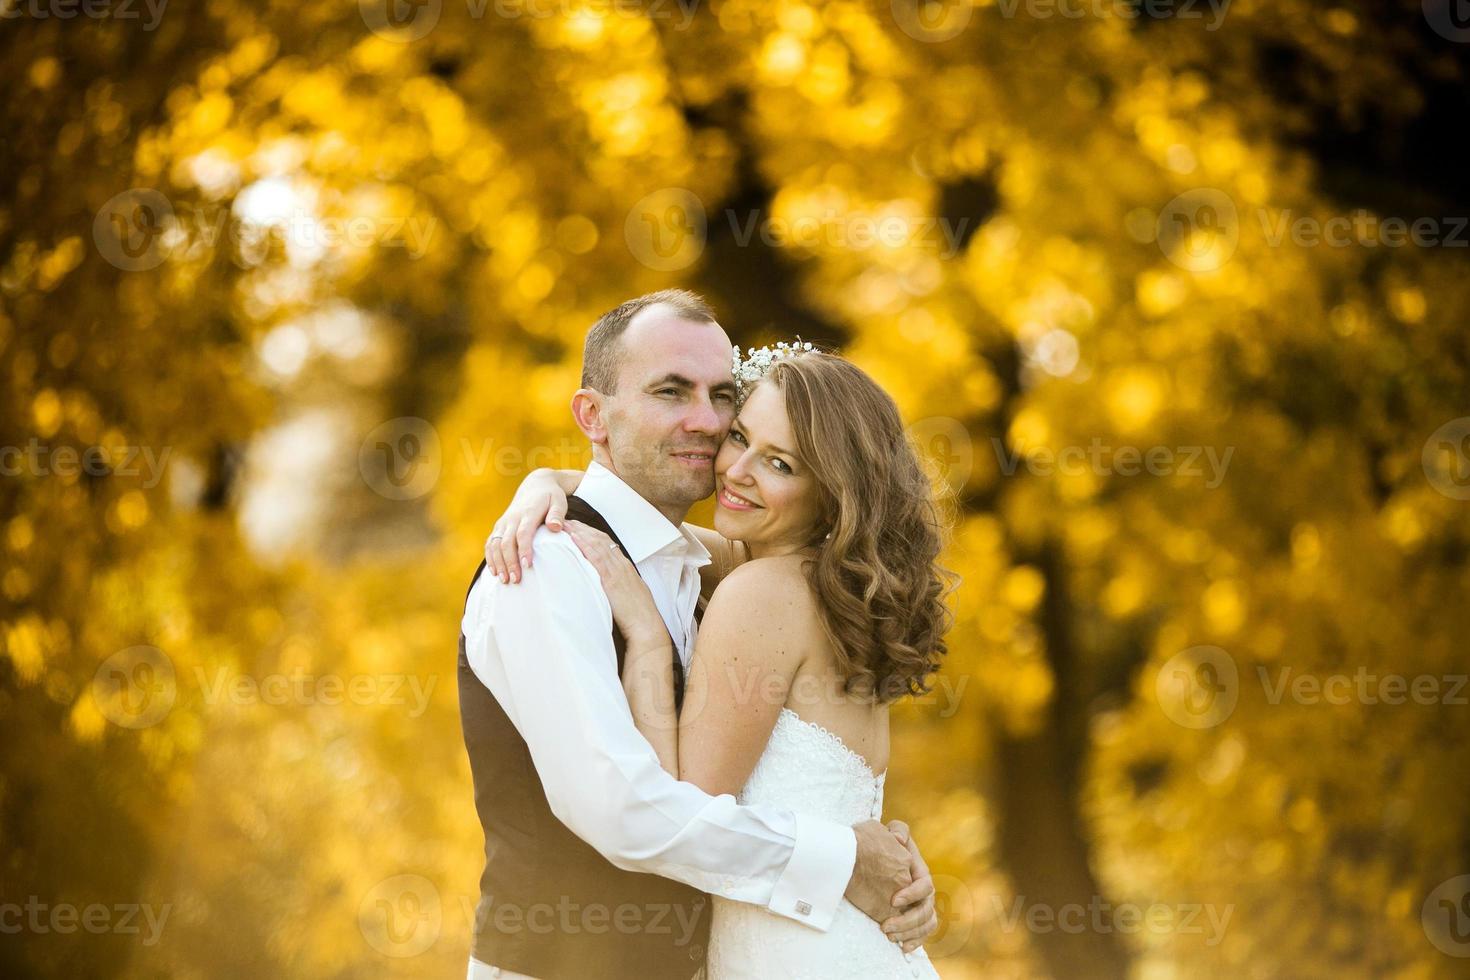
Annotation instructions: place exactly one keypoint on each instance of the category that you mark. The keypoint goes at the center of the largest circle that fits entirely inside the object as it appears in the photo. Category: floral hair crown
(757, 361)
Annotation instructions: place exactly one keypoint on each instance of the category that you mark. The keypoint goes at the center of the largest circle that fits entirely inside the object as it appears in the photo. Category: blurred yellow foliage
(293, 295)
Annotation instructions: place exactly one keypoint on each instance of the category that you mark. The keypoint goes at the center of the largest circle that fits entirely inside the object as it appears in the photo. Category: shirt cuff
(816, 877)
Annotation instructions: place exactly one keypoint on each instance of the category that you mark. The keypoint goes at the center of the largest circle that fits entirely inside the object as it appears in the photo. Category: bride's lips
(731, 500)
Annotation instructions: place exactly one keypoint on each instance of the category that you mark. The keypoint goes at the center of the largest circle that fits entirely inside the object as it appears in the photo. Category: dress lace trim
(835, 740)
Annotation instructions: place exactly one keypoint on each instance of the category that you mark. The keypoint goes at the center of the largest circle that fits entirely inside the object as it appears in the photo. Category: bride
(826, 520)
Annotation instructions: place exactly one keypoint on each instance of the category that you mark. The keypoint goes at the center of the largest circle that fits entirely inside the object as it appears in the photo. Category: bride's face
(765, 494)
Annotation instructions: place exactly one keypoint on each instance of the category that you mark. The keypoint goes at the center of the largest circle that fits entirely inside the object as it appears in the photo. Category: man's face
(674, 402)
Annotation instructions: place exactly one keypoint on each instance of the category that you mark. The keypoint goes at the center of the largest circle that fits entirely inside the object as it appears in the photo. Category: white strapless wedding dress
(807, 769)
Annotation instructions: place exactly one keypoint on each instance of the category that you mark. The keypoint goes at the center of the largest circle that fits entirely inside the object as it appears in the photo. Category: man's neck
(673, 513)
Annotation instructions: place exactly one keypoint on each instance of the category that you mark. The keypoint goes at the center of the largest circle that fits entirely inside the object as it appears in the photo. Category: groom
(596, 859)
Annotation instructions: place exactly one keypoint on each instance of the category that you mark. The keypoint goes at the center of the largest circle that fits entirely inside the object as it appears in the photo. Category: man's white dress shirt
(544, 649)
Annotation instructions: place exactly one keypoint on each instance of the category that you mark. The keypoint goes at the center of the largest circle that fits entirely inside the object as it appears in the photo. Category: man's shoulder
(560, 578)
(556, 544)
(555, 557)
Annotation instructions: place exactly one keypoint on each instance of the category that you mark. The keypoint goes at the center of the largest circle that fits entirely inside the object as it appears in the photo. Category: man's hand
(918, 920)
(880, 871)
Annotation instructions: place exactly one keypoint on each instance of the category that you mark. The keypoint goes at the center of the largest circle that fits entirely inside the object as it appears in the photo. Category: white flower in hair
(757, 361)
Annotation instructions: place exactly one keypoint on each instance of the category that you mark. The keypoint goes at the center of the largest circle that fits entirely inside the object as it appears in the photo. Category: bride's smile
(734, 501)
(765, 493)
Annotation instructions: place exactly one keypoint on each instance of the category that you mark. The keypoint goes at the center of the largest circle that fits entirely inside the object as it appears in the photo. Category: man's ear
(587, 412)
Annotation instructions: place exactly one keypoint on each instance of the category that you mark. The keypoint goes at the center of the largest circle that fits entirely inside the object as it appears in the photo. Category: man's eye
(667, 391)
(725, 396)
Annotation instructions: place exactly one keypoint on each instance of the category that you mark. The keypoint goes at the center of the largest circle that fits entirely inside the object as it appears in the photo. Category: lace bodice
(807, 769)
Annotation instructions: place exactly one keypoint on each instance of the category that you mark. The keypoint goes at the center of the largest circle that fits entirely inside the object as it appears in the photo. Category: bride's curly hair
(876, 574)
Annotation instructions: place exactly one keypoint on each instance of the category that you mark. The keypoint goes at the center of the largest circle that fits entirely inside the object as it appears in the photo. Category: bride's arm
(747, 653)
(542, 499)
(648, 681)
(648, 659)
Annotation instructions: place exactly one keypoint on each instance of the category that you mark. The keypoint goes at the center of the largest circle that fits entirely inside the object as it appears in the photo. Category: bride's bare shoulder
(777, 586)
(785, 569)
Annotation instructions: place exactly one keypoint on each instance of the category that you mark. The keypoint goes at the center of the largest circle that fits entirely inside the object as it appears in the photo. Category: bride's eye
(780, 465)
(739, 439)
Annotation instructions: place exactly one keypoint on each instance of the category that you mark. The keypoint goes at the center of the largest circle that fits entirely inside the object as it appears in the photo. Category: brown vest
(550, 905)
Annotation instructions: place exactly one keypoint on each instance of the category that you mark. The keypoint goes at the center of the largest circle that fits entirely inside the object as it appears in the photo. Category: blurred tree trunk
(1041, 839)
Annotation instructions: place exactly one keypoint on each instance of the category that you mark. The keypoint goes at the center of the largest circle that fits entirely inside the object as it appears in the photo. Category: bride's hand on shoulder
(540, 499)
(634, 611)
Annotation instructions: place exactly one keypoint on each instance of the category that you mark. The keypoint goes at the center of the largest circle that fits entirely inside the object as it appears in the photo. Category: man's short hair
(602, 352)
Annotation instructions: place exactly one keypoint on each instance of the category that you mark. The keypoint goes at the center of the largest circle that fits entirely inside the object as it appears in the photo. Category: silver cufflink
(802, 908)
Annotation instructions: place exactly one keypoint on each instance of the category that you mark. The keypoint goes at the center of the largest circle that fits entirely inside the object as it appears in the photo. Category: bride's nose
(739, 472)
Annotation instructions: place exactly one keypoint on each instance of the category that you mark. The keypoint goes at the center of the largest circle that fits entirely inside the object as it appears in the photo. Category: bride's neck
(774, 549)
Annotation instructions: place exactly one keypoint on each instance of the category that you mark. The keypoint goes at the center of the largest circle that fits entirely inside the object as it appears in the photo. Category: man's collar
(640, 526)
